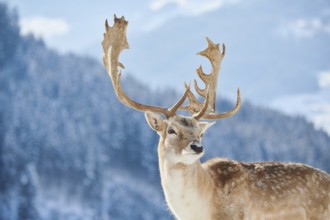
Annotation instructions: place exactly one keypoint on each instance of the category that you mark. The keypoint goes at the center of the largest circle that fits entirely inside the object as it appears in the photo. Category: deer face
(181, 137)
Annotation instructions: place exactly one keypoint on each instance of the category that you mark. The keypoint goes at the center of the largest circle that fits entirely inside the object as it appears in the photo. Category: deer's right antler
(113, 43)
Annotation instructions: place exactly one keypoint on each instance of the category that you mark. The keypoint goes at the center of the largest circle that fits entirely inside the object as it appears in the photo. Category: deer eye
(202, 134)
(171, 131)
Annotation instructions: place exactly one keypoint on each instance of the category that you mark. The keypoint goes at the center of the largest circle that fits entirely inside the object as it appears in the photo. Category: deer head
(180, 135)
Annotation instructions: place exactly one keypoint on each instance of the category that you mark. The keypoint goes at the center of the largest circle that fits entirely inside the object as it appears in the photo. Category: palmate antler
(115, 42)
(213, 54)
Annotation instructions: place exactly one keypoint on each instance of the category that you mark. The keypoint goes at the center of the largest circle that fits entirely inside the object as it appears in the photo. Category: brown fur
(270, 187)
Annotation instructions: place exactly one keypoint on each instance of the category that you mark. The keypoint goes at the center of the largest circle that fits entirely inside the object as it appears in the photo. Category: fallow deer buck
(220, 188)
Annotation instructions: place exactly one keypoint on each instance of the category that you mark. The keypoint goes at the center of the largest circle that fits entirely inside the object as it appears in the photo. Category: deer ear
(205, 125)
(155, 121)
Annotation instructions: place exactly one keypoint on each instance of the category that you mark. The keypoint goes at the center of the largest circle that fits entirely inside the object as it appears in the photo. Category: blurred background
(68, 149)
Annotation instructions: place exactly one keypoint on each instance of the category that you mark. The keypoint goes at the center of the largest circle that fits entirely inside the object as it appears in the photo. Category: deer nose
(197, 148)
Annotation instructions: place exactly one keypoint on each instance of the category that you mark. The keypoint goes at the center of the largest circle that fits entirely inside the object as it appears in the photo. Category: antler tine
(113, 44)
(213, 116)
(202, 111)
(179, 103)
(194, 105)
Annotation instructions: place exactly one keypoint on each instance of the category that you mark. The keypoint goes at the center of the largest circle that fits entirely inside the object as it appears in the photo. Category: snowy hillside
(314, 106)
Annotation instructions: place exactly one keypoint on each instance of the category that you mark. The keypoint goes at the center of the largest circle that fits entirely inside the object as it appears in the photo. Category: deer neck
(188, 189)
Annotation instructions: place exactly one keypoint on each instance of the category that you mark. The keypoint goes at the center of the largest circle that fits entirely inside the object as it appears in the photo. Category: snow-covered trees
(9, 34)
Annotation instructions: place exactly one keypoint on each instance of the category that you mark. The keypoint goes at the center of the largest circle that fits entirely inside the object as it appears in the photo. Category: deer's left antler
(213, 54)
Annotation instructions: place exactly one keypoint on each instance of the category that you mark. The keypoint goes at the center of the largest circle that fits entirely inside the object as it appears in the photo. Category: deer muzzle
(197, 147)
